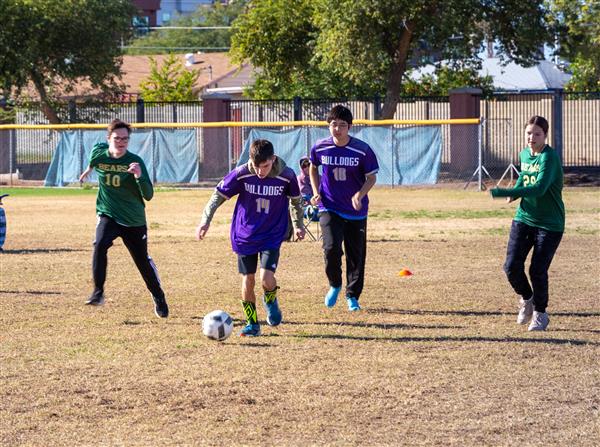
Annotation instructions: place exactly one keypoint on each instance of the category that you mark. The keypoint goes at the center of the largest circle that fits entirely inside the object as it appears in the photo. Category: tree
(54, 45)
(577, 30)
(177, 40)
(366, 45)
(445, 79)
(171, 82)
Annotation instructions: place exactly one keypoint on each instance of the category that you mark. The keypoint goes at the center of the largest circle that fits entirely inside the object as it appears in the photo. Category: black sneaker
(160, 307)
(96, 298)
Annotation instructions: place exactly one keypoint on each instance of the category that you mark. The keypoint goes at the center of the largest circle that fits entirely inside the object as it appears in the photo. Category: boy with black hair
(264, 186)
(123, 185)
(349, 168)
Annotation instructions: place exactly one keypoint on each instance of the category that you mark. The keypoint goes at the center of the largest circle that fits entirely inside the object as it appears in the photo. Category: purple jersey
(344, 171)
(260, 217)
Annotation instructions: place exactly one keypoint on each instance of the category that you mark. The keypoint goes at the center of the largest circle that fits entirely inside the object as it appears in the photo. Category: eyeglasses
(119, 139)
(305, 165)
(340, 125)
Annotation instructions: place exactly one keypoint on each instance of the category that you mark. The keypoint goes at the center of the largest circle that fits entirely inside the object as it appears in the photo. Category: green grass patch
(439, 214)
(87, 189)
(47, 192)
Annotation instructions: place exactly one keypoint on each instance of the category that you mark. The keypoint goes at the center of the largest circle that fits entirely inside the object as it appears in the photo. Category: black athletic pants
(136, 241)
(544, 243)
(353, 233)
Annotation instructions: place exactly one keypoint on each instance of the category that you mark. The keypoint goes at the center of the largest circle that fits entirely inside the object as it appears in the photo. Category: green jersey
(120, 195)
(540, 188)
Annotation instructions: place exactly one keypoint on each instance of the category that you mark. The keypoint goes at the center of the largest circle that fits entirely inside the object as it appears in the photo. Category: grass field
(433, 359)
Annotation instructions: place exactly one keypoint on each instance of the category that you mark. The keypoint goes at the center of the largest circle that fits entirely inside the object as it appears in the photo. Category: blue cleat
(250, 330)
(332, 296)
(352, 304)
(273, 312)
(272, 307)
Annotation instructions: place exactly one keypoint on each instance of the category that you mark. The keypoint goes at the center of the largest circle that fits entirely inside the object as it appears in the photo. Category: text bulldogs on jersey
(339, 161)
(264, 190)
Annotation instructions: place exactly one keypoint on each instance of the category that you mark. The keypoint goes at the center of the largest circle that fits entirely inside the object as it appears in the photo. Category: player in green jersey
(538, 223)
(123, 185)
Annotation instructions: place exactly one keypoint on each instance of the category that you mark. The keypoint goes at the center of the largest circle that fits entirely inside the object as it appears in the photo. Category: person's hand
(357, 201)
(135, 169)
(201, 231)
(510, 199)
(83, 176)
(300, 233)
(314, 200)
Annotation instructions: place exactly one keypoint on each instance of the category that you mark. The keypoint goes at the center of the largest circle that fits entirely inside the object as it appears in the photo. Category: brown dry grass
(434, 359)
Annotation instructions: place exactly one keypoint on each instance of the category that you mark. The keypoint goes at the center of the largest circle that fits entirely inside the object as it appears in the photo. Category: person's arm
(544, 179)
(297, 214)
(370, 180)
(142, 178)
(215, 201)
(518, 184)
(84, 174)
(97, 151)
(315, 183)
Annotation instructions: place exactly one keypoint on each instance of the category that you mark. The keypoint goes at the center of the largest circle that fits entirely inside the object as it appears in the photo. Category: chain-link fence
(574, 129)
(409, 152)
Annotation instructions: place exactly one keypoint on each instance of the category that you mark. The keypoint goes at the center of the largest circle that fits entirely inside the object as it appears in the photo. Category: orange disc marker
(404, 272)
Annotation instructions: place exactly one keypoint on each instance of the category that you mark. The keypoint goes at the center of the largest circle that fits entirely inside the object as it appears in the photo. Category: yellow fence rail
(218, 124)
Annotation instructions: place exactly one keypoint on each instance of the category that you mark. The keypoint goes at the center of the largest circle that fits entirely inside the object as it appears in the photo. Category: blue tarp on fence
(407, 155)
(170, 155)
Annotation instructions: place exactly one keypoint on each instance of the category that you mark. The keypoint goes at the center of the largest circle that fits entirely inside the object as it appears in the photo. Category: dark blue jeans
(544, 243)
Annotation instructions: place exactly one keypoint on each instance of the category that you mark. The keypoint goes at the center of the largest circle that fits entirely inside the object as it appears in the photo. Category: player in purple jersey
(264, 186)
(349, 167)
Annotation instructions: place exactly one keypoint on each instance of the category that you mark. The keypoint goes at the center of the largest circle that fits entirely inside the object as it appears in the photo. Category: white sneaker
(525, 311)
(539, 321)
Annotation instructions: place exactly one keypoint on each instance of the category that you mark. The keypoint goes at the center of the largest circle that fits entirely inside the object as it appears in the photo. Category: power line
(175, 48)
(184, 27)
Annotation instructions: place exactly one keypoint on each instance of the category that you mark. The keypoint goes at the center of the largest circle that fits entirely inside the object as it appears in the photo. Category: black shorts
(268, 261)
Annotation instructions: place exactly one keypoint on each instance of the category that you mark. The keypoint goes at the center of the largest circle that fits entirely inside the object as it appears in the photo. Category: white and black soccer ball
(217, 325)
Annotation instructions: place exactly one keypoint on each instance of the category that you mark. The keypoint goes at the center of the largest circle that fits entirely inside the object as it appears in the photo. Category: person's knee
(102, 244)
(332, 250)
(248, 280)
(512, 268)
(538, 273)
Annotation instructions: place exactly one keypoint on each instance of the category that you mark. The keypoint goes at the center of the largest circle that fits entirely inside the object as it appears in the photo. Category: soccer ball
(217, 325)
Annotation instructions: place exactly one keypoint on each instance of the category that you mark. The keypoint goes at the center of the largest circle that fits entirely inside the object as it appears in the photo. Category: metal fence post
(10, 156)
(297, 108)
(376, 107)
(480, 156)
(155, 156)
(557, 122)
(72, 111)
(139, 111)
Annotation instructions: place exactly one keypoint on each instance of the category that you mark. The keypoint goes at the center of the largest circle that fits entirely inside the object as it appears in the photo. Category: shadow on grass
(30, 292)
(28, 251)
(550, 341)
(591, 331)
(375, 325)
(471, 313)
